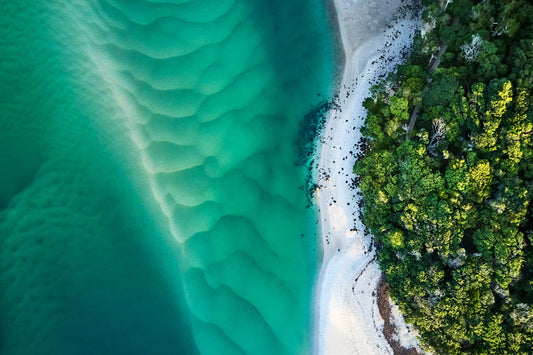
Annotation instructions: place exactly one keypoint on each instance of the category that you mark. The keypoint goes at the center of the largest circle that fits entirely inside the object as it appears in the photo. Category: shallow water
(191, 236)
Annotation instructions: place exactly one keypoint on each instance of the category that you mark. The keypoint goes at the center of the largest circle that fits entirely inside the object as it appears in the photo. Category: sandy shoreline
(349, 321)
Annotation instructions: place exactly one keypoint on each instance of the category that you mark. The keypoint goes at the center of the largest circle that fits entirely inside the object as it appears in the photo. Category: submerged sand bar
(349, 321)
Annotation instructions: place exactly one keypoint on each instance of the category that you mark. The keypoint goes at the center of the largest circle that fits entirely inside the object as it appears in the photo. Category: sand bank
(349, 321)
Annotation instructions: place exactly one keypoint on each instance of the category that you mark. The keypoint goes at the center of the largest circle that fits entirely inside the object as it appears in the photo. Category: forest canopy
(447, 178)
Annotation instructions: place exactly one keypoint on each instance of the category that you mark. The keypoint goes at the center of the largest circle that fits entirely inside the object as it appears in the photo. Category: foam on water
(212, 92)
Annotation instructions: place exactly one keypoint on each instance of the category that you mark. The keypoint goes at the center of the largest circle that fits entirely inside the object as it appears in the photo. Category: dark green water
(150, 201)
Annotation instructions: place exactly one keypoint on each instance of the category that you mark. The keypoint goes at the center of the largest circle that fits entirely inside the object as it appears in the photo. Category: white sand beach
(349, 321)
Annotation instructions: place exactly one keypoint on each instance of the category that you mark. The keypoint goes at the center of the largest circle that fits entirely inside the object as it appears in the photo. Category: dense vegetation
(450, 201)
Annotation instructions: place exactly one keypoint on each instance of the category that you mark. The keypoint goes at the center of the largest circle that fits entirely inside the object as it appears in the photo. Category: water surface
(152, 198)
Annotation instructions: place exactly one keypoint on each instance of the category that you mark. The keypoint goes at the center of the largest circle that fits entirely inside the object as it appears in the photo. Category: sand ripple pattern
(212, 92)
(84, 262)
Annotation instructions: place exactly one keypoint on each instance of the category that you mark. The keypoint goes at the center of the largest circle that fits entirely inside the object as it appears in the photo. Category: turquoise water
(151, 201)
